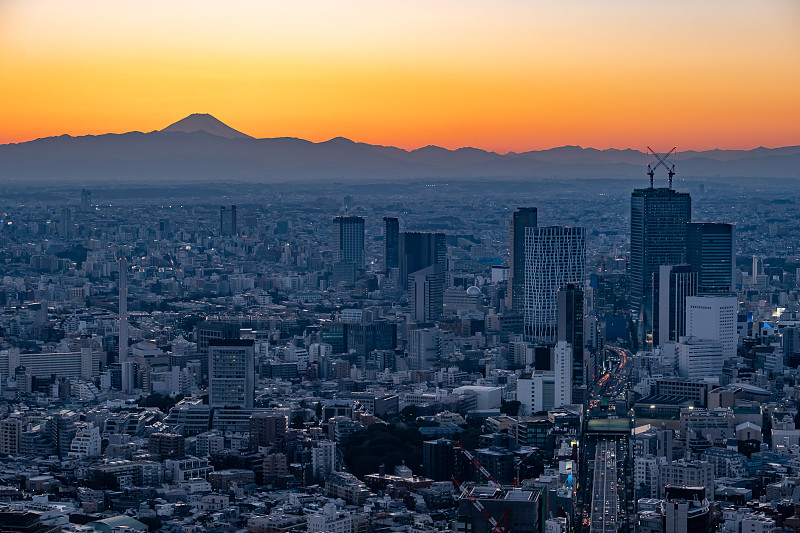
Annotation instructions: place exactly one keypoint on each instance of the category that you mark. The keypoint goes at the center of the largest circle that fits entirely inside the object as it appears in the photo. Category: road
(604, 517)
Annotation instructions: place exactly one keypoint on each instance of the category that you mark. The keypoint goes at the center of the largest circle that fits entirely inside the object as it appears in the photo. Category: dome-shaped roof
(473, 291)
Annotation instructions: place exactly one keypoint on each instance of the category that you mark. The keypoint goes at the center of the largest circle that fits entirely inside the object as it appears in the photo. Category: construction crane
(497, 527)
(661, 160)
(492, 481)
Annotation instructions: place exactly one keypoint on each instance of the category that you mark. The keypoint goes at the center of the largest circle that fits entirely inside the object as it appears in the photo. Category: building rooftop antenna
(661, 160)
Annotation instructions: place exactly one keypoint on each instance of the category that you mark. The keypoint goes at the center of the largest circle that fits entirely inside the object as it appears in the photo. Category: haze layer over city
(399, 267)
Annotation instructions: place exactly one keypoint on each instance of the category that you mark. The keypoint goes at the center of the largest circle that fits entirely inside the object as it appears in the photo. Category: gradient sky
(501, 75)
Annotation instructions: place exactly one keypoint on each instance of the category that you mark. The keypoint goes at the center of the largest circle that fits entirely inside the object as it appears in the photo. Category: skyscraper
(391, 243)
(710, 251)
(523, 217)
(673, 284)
(125, 365)
(348, 240)
(426, 292)
(563, 363)
(555, 256)
(227, 220)
(658, 237)
(571, 331)
(86, 201)
(421, 250)
(231, 373)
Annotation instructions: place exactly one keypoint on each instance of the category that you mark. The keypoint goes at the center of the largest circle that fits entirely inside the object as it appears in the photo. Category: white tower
(562, 357)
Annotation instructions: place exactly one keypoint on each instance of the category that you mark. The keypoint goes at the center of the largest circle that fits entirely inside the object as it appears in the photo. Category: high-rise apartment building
(227, 220)
(555, 257)
(231, 373)
(710, 250)
(659, 217)
(523, 217)
(10, 433)
(348, 240)
(391, 243)
(266, 428)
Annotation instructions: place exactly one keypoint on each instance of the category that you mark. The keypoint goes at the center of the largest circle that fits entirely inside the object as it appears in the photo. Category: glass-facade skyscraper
(421, 250)
(555, 256)
(659, 217)
(391, 243)
(523, 217)
(710, 251)
(348, 236)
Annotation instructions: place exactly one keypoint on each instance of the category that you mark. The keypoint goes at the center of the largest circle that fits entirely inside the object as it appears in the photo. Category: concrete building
(563, 366)
(699, 358)
(714, 317)
(231, 378)
(536, 391)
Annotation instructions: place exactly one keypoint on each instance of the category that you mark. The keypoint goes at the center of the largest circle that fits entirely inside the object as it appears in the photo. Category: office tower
(427, 346)
(227, 220)
(536, 391)
(391, 243)
(672, 285)
(65, 225)
(231, 373)
(125, 364)
(714, 317)
(699, 358)
(563, 361)
(523, 217)
(555, 256)
(421, 250)
(426, 293)
(86, 200)
(571, 330)
(658, 237)
(710, 251)
(348, 240)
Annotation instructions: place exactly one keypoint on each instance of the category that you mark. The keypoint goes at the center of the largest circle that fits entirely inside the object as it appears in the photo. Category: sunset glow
(509, 75)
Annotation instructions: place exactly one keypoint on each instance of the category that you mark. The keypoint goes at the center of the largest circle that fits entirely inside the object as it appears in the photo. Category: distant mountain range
(200, 147)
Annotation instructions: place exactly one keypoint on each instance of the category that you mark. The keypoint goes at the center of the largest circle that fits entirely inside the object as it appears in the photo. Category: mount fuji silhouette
(207, 123)
(200, 147)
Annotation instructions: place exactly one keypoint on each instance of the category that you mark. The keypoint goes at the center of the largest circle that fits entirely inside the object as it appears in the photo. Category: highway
(605, 502)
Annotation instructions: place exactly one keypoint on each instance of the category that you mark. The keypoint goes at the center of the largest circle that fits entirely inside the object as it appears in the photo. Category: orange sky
(500, 75)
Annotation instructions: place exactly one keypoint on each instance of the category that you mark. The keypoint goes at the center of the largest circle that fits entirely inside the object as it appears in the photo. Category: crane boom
(476, 464)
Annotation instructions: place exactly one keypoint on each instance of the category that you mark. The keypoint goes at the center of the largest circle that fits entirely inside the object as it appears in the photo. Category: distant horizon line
(467, 147)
